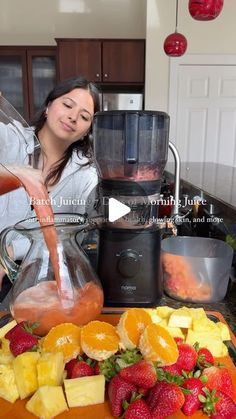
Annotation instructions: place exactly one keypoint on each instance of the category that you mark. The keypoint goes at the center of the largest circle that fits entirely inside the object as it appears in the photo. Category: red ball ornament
(175, 44)
(205, 9)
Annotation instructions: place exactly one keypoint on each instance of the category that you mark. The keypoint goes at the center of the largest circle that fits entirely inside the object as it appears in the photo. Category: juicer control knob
(128, 263)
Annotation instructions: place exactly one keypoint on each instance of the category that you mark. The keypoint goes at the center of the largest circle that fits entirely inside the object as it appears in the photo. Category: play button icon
(116, 209)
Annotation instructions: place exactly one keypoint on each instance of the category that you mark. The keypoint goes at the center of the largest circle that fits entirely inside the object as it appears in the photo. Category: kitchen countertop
(211, 181)
(226, 307)
(216, 183)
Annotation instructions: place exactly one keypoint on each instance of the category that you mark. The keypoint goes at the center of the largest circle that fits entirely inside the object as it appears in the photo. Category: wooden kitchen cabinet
(107, 61)
(27, 74)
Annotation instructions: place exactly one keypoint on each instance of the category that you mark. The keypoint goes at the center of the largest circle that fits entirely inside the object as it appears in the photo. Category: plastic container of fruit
(196, 269)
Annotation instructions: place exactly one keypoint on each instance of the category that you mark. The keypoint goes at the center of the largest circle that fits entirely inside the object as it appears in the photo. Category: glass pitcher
(36, 295)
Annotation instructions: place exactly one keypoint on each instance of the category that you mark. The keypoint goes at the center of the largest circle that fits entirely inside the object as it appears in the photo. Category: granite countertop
(215, 182)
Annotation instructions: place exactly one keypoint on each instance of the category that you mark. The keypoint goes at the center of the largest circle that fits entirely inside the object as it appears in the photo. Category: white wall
(33, 22)
(209, 37)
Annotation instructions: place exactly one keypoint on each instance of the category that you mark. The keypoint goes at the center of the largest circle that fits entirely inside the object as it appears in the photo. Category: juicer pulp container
(196, 269)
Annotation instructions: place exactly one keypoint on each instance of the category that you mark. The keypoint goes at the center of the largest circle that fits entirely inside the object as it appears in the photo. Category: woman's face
(69, 117)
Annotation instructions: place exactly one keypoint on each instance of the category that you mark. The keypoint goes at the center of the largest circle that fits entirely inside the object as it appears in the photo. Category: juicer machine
(131, 151)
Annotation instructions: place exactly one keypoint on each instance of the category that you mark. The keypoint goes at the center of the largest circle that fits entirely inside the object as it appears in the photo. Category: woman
(64, 162)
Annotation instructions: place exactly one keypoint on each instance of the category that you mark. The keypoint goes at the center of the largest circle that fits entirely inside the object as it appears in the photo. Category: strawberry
(142, 374)
(118, 391)
(69, 367)
(204, 358)
(17, 329)
(81, 369)
(178, 340)
(169, 401)
(22, 342)
(138, 409)
(78, 368)
(187, 358)
(218, 405)
(225, 408)
(154, 393)
(192, 402)
(172, 369)
(219, 378)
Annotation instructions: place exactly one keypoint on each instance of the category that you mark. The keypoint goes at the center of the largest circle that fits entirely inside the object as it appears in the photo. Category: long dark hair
(81, 146)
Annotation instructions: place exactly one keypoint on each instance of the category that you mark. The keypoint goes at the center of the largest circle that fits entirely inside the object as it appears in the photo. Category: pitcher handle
(10, 267)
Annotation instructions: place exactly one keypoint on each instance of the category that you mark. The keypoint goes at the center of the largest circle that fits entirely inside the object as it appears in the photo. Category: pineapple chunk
(224, 350)
(164, 311)
(6, 328)
(205, 325)
(210, 340)
(153, 314)
(6, 356)
(174, 331)
(50, 369)
(180, 318)
(224, 331)
(8, 388)
(197, 313)
(85, 391)
(47, 402)
(24, 366)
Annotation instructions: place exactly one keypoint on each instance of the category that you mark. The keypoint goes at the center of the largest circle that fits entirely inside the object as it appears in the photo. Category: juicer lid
(138, 112)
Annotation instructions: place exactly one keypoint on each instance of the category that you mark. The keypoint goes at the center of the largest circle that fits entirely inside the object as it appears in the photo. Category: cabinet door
(41, 76)
(79, 57)
(123, 61)
(13, 78)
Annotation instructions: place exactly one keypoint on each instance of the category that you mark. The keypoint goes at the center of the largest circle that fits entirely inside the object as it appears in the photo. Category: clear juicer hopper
(131, 145)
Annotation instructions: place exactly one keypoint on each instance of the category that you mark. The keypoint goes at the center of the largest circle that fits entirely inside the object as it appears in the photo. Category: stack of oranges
(99, 340)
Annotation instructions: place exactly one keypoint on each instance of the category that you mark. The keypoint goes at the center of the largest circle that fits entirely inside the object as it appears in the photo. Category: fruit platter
(143, 363)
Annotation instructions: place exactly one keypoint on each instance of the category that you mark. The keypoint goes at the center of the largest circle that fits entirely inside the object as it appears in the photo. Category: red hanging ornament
(205, 9)
(175, 44)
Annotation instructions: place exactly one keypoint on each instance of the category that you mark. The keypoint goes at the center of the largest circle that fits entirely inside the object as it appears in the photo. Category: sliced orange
(131, 324)
(99, 340)
(65, 338)
(157, 344)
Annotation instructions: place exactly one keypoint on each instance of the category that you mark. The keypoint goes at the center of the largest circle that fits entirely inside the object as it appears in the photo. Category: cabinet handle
(105, 75)
(97, 75)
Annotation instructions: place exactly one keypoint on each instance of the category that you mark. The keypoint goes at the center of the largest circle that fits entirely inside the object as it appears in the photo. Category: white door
(202, 108)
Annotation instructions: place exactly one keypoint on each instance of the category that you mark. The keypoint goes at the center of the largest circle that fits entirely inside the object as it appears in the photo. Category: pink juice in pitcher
(42, 304)
(51, 302)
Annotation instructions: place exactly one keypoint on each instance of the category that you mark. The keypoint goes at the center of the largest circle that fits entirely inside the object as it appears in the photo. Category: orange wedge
(131, 324)
(65, 338)
(157, 344)
(99, 340)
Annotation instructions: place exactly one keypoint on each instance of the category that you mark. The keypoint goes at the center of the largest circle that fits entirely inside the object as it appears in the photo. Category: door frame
(190, 59)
